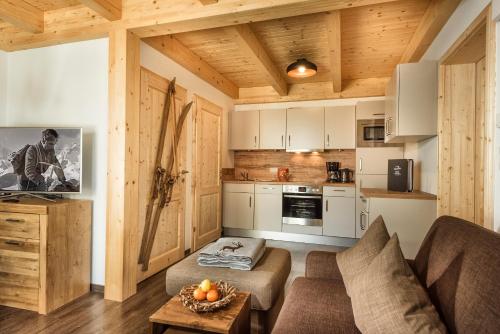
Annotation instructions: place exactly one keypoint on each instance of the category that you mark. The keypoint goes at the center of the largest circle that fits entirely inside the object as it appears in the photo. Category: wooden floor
(92, 314)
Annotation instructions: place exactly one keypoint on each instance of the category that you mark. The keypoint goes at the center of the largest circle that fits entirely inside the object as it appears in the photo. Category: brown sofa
(458, 264)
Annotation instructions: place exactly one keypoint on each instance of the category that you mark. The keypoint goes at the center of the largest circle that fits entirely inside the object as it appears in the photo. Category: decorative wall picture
(40, 160)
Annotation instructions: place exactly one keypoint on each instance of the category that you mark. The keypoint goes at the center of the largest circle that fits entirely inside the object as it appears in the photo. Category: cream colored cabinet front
(374, 160)
(370, 109)
(339, 213)
(272, 129)
(238, 204)
(268, 207)
(340, 127)
(244, 132)
(305, 129)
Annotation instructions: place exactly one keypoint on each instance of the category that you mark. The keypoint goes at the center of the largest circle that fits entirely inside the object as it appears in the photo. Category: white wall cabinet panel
(244, 130)
(411, 103)
(340, 127)
(268, 211)
(305, 129)
(374, 160)
(272, 129)
(370, 109)
(339, 216)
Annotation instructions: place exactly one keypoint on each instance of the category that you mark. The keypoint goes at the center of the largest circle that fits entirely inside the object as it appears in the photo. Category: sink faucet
(244, 175)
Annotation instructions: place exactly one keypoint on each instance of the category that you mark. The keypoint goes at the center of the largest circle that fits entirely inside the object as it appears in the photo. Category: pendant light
(302, 68)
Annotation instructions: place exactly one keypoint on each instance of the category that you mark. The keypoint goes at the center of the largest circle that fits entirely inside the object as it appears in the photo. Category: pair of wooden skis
(164, 179)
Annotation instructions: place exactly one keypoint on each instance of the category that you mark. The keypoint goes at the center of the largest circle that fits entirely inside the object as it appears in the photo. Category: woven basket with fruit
(207, 296)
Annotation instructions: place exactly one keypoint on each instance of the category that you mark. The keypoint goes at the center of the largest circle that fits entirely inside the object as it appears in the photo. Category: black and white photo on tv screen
(40, 159)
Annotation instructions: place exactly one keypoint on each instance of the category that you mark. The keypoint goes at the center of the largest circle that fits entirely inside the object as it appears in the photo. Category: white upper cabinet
(340, 127)
(370, 109)
(272, 129)
(374, 160)
(244, 133)
(305, 129)
(411, 103)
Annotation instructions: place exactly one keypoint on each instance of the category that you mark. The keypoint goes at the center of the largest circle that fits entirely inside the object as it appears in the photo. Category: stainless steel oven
(303, 205)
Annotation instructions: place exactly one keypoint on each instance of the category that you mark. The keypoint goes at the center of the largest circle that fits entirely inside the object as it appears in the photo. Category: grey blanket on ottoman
(234, 253)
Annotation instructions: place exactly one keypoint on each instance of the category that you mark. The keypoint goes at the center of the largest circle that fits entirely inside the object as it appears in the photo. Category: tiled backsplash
(310, 167)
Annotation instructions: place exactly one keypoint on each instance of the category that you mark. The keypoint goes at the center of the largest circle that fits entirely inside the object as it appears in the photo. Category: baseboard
(97, 288)
(187, 252)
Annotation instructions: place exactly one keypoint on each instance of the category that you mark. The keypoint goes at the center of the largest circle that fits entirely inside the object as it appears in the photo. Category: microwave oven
(371, 133)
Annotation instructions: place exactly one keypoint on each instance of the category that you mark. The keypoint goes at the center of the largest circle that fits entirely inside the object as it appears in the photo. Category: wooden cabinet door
(272, 129)
(206, 177)
(374, 160)
(340, 127)
(238, 210)
(339, 216)
(268, 208)
(244, 130)
(168, 246)
(305, 129)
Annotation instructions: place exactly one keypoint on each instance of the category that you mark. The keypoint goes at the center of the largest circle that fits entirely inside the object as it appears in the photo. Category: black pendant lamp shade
(302, 68)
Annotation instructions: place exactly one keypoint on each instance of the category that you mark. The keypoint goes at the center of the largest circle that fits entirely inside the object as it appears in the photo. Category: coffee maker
(332, 170)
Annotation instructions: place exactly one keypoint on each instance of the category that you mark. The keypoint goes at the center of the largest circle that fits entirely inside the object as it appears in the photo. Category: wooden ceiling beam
(250, 46)
(175, 50)
(333, 25)
(110, 9)
(22, 15)
(435, 17)
(208, 2)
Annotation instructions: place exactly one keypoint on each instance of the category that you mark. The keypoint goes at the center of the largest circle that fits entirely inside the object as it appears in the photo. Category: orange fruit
(199, 294)
(213, 287)
(212, 295)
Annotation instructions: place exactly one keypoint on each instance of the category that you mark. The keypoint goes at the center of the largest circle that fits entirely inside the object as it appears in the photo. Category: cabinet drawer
(19, 248)
(268, 188)
(239, 187)
(19, 225)
(18, 296)
(339, 191)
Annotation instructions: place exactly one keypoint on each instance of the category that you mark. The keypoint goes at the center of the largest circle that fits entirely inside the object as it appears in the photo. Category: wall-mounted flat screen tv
(40, 160)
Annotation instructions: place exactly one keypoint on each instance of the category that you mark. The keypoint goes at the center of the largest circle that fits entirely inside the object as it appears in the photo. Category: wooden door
(245, 130)
(272, 129)
(305, 128)
(168, 246)
(206, 173)
(340, 127)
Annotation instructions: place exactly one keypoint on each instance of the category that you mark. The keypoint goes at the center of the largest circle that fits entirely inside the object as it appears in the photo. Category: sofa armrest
(322, 265)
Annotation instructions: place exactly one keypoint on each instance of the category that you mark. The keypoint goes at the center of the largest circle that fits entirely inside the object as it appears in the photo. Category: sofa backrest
(459, 264)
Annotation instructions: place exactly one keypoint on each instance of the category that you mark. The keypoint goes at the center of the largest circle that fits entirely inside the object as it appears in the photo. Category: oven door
(302, 209)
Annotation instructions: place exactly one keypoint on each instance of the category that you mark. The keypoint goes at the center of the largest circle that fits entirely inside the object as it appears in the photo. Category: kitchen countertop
(325, 184)
(384, 193)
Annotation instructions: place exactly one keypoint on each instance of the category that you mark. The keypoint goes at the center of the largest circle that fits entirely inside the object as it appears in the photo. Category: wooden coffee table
(233, 319)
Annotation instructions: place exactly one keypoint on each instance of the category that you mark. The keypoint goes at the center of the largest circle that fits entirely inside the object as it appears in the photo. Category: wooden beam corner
(22, 15)
(110, 9)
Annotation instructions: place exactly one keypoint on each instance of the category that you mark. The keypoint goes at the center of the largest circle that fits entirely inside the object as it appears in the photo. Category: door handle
(360, 164)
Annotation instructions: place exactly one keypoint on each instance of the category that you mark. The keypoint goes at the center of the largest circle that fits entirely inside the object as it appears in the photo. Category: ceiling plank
(110, 9)
(250, 45)
(172, 48)
(435, 17)
(334, 32)
(315, 91)
(22, 15)
(208, 2)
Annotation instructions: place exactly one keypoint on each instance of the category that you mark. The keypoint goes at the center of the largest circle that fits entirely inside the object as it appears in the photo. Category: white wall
(67, 85)
(167, 68)
(3, 87)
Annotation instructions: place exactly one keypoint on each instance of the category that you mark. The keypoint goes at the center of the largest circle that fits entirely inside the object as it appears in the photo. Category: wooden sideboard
(44, 253)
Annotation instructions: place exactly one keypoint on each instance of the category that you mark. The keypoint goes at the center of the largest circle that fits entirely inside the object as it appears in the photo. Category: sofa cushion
(459, 264)
(265, 281)
(357, 258)
(317, 306)
(388, 298)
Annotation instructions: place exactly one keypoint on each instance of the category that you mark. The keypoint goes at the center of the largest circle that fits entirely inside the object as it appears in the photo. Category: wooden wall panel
(480, 141)
(306, 167)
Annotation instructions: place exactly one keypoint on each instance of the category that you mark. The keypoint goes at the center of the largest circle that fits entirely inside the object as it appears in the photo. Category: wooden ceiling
(352, 43)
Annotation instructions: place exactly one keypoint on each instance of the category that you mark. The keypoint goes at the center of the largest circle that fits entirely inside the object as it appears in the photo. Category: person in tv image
(39, 157)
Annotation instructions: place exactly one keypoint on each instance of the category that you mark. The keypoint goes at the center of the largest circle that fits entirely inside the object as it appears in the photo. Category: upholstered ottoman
(266, 283)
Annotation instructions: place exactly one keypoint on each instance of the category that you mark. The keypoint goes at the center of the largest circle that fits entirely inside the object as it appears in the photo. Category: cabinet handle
(341, 190)
(361, 223)
(379, 114)
(289, 140)
(250, 201)
(328, 140)
(268, 188)
(326, 205)
(389, 126)
(255, 141)
(14, 242)
(282, 141)
(386, 127)
(13, 220)
(360, 164)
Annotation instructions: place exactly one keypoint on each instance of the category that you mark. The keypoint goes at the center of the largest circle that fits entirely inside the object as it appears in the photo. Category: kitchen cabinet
(268, 211)
(238, 205)
(374, 160)
(339, 212)
(370, 109)
(340, 127)
(305, 129)
(244, 133)
(272, 129)
(411, 103)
